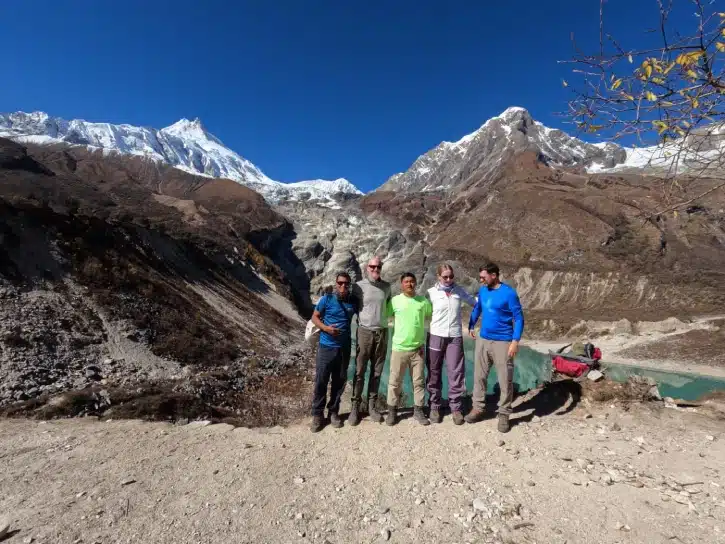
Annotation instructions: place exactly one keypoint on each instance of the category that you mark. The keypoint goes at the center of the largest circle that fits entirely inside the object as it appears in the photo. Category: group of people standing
(502, 324)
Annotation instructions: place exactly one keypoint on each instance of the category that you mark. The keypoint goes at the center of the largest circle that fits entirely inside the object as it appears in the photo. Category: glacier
(185, 145)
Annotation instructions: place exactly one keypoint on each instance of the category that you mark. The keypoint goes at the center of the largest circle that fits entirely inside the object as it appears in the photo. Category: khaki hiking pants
(399, 362)
(493, 353)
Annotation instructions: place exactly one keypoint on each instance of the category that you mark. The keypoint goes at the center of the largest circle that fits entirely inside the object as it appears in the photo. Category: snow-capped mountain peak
(185, 145)
(485, 151)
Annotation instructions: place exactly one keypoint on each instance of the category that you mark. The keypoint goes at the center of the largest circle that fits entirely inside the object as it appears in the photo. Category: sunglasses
(447, 277)
(375, 266)
(343, 283)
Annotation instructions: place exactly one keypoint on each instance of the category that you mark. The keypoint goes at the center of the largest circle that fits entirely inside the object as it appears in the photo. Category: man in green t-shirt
(410, 312)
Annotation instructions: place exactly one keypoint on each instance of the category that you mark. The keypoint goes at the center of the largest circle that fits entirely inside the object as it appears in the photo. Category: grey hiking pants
(493, 353)
(372, 346)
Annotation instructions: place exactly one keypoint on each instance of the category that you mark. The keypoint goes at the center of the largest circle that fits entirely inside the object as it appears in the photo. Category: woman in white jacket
(446, 342)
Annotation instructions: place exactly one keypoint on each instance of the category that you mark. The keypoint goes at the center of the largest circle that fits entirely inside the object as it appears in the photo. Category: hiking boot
(354, 417)
(457, 418)
(419, 416)
(375, 416)
(391, 419)
(435, 416)
(335, 420)
(503, 423)
(317, 424)
(475, 415)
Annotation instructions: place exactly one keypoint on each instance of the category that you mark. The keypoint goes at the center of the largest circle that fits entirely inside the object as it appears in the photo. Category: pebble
(28, 540)
(531, 483)
(299, 480)
(623, 527)
(128, 481)
(419, 501)
(501, 443)
(616, 427)
(299, 515)
(385, 534)
(479, 504)
(710, 437)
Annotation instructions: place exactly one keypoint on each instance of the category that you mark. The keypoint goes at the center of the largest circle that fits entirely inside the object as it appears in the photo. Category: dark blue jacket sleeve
(476, 313)
(518, 314)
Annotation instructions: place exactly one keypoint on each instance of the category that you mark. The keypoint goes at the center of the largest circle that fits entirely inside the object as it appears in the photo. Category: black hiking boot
(392, 416)
(435, 416)
(419, 416)
(375, 416)
(457, 418)
(335, 420)
(504, 425)
(317, 424)
(474, 416)
(354, 417)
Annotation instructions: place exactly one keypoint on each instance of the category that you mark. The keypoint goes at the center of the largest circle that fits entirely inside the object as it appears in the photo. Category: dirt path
(601, 475)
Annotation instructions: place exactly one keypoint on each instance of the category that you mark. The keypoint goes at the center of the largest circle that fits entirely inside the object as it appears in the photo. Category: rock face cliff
(123, 273)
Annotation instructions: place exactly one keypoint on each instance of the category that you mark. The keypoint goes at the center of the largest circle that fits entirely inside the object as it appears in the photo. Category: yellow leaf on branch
(649, 95)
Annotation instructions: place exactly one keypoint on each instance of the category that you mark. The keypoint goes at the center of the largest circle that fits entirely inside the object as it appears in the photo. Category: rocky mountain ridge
(120, 274)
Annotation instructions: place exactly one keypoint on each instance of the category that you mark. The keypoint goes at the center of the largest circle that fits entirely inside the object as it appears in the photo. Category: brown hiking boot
(335, 420)
(435, 416)
(457, 418)
(354, 417)
(392, 413)
(317, 424)
(475, 415)
(503, 423)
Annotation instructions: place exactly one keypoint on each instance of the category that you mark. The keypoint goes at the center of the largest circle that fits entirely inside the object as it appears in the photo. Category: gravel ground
(598, 473)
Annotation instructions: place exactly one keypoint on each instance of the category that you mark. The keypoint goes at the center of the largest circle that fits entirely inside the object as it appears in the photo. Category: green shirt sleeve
(428, 308)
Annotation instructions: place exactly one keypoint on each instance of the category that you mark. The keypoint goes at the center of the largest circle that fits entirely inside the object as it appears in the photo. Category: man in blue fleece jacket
(502, 324)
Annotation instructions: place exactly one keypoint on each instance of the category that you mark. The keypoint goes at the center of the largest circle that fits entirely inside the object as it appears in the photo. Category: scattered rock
(28, 540)
(501, 443)
(615, 427)
(480, 505)
(385, 534)
(299, 480)
(710, 437)
(595, 375)
(128, 481)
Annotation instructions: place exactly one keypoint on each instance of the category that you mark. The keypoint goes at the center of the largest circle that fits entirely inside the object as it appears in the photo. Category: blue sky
(304, 89)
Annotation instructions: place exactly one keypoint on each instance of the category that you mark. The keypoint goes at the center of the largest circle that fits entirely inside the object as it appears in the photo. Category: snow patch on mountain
(701, 152)
(185, 145)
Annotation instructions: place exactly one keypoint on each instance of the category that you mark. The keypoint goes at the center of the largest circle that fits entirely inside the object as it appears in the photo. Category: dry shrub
(635, 389)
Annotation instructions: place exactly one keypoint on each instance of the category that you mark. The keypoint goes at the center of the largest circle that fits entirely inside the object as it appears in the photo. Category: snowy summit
(185, 145)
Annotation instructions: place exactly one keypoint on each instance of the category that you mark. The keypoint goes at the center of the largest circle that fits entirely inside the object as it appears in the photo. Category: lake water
(534, 368)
